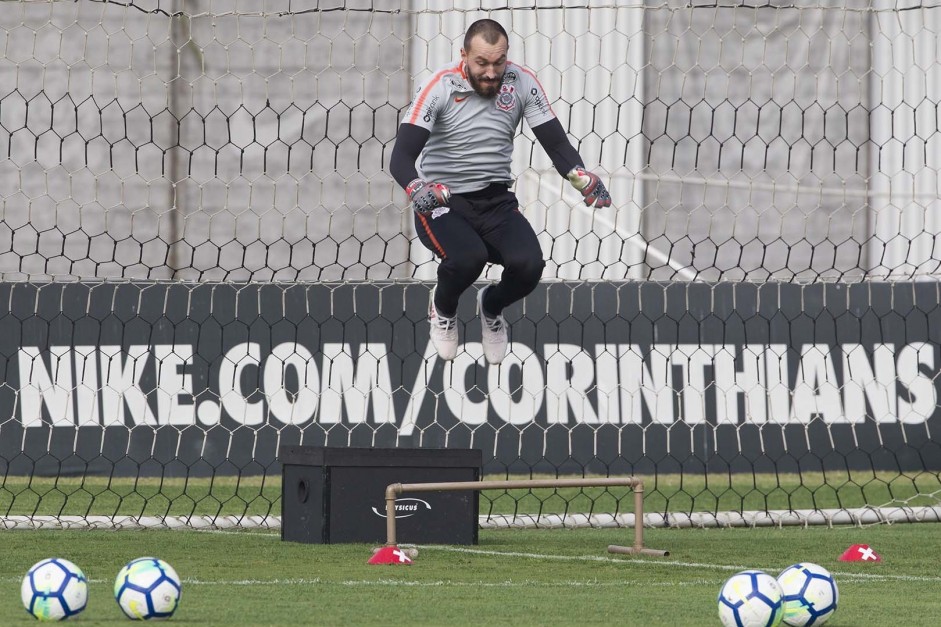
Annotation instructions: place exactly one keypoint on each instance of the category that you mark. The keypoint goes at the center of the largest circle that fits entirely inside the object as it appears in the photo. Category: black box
(332, 495)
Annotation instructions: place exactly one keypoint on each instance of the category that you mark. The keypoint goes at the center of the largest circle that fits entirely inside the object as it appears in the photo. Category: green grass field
(513, 577)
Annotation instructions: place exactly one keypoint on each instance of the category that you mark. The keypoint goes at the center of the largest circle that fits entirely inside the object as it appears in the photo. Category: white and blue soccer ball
(148, 588)
(54, 589)
(809, 593)
(750, 598)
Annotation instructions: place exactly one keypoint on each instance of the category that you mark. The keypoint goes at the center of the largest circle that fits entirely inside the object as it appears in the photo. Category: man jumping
(460, 129)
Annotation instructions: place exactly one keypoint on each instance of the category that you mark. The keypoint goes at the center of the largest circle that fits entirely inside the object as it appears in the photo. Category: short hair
(490, 30)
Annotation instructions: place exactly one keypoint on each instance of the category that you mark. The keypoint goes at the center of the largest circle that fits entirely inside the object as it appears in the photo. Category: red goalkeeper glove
(427, 196)
(590, 186)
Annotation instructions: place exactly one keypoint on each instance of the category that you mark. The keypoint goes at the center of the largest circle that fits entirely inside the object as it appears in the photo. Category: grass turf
(517, 577)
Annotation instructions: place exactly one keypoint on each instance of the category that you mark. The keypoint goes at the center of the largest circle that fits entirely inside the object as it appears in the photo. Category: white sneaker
(494, 333)
(443, 331)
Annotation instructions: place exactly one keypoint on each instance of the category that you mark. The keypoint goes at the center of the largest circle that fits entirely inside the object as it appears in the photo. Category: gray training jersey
(471, 140)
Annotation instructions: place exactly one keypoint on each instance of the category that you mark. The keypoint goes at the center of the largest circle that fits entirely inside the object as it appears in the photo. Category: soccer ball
(750, 598)
(809, 594)
(54, 589)
(147, 588)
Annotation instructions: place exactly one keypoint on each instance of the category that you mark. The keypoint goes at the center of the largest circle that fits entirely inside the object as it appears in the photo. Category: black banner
(191, 379)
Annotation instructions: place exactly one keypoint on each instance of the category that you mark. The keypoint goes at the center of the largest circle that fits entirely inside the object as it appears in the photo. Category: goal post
(203, 257)
(393, 490)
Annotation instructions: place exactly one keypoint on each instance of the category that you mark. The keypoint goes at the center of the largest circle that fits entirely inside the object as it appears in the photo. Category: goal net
(204, 258)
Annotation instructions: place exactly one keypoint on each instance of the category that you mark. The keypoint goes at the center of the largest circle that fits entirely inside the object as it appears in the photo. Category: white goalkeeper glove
(590, 186)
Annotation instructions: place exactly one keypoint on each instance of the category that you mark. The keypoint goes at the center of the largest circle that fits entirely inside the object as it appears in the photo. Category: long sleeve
(408, 146)
(556, 143)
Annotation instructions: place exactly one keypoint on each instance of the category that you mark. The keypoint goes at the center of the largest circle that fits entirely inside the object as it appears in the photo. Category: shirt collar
(460, 82)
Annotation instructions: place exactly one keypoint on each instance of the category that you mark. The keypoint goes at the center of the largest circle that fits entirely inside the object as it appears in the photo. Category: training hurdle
(394, 490)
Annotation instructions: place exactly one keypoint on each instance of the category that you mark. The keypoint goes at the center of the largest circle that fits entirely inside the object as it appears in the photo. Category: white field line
(671, 563)
(244, 533)
(546, 584)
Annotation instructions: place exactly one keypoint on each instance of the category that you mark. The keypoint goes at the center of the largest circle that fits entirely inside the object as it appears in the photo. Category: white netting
(210, 140)
(178, 149)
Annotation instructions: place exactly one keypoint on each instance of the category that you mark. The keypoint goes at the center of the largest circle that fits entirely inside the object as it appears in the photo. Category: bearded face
(485, 65)
(484, 83)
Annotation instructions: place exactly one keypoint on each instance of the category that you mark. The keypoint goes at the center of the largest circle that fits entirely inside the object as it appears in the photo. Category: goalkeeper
(460, 129)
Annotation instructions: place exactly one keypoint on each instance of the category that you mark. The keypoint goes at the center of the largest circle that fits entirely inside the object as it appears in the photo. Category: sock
(442, 312)
(487, 302)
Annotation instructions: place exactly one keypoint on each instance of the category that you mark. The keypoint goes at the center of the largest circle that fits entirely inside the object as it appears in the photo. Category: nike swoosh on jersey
(456, 99)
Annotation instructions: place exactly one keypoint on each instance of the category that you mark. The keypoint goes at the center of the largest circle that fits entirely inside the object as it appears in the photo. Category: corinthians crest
(506, 99)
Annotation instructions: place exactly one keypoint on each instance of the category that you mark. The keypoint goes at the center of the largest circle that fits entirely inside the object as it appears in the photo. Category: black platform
(334, 495)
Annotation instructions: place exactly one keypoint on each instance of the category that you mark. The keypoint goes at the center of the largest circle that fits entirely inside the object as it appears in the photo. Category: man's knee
(469, 265)
(528, 270)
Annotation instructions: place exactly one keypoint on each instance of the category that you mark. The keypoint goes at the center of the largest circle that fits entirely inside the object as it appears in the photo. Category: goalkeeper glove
(590, 186)
(427, 196)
